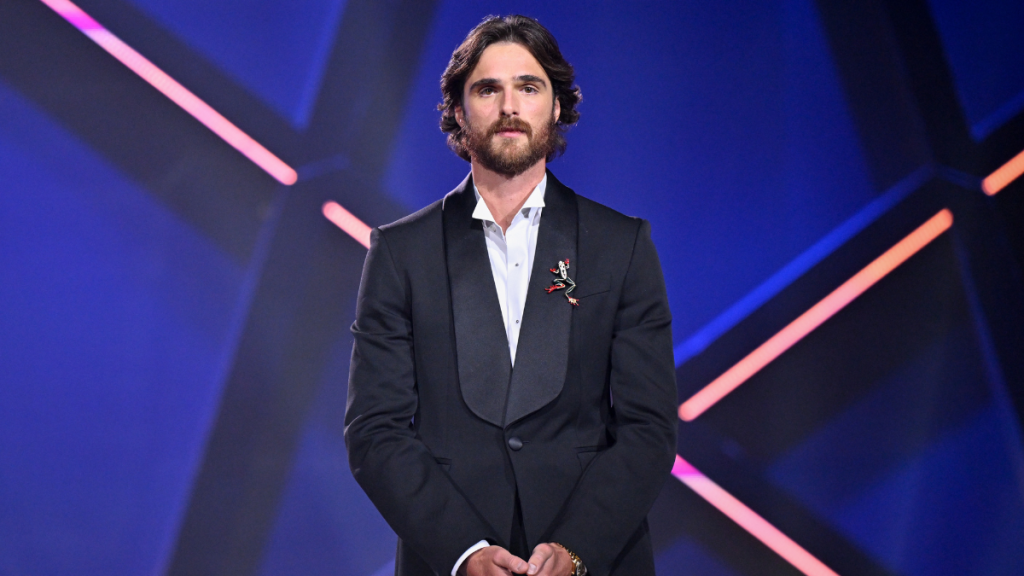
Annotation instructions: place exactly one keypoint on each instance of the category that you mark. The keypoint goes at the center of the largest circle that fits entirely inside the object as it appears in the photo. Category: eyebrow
(522, 78)
(531, 78)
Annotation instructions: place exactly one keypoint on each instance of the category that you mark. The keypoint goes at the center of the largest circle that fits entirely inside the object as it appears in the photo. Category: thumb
(506, 559)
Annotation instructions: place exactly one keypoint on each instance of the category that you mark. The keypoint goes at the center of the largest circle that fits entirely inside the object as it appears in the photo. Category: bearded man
(512, 391)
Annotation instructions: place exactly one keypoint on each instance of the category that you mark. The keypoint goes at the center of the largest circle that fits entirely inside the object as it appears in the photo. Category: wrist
(460, 565)
(577, 568)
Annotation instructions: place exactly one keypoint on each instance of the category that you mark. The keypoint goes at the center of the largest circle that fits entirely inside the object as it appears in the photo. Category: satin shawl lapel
(542, 353)
(481, 344)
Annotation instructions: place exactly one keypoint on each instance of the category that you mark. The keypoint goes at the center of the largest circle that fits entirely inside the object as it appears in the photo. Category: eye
(530, 89)
(486, 91)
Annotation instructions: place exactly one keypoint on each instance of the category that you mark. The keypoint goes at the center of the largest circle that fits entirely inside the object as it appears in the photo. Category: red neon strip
(814, 317)
(749, 520)
(1002, 177)
(344, 219)
(178, 94)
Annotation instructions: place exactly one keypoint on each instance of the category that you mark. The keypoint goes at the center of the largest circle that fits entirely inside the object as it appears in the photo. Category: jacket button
(515, 443)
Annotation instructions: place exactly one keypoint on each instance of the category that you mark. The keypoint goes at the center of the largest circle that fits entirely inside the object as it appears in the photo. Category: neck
(505, 195)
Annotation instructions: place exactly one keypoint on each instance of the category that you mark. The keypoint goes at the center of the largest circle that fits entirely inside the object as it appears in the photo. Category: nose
(509, 103)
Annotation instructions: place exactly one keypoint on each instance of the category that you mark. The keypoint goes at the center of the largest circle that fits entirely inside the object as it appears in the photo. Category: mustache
(511, 123)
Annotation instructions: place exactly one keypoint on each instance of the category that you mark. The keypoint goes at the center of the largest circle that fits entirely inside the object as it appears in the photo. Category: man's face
(508, 110)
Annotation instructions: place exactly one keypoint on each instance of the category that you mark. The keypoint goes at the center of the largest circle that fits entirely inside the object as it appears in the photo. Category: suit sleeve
(395, 469)
(621, 484)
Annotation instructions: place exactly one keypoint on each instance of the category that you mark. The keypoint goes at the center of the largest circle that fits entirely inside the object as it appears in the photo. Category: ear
(558, 109)
(459, 116)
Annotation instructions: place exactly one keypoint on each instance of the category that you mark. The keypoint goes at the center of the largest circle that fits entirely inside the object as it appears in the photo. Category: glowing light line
(178, 94)
(1005, 174)
(749, 520)
(768, 289)
(815, 316)
(344, 219)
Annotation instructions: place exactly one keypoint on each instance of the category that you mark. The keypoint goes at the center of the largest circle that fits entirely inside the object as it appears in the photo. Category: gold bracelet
(578, 569)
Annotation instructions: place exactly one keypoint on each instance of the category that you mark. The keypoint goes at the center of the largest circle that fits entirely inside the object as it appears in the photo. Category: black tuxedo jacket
(442, 431)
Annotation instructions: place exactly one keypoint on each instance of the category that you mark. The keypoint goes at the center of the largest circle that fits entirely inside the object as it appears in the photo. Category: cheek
(485, 110)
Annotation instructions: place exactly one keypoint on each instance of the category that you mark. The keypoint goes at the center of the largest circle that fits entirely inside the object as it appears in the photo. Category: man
(512, 391)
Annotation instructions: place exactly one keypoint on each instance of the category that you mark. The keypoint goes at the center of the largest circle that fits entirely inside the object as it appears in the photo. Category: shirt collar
(536, 200)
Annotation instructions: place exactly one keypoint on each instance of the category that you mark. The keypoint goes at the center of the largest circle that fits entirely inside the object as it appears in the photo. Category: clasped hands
(547, 560)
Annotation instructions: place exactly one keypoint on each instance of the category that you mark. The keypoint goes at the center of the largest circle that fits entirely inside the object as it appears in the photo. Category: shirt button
(517, 321)
(515, 443)
(517, 264)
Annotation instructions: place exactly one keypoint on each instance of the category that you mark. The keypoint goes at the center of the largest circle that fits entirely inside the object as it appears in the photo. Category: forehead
(504, 61)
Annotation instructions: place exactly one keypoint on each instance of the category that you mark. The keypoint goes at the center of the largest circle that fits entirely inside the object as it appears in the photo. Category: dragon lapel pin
(562, 280)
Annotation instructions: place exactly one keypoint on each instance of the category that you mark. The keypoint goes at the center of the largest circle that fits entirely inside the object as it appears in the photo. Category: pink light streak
(178, 94)
(1002, 177)
(815, 316)
(344, 219)
(749, 520)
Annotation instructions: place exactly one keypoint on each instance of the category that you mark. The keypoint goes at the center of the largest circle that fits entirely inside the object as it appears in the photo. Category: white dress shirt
(511, 254)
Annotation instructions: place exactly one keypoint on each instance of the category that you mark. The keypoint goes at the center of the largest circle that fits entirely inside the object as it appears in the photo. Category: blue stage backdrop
(174, 320)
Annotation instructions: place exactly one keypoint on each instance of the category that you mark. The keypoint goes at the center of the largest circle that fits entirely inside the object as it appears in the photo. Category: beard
(510, 158)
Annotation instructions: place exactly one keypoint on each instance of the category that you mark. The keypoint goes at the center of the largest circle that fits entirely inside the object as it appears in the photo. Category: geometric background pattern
(174, 321)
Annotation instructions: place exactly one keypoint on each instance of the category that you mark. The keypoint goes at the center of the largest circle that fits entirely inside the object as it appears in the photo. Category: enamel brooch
(562, 280)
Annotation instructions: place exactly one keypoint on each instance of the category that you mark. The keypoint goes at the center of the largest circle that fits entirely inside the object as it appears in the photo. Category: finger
(506, 559)
(541, 554)
(557, 564)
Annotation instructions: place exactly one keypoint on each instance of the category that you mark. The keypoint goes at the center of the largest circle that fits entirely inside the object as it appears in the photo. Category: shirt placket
(516, 241)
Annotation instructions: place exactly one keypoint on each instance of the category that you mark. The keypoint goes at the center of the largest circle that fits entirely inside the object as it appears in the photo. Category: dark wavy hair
(528, 33)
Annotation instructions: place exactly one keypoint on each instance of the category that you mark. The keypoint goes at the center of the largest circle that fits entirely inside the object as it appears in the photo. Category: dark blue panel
(923, 473)
(116, 322)
(276, 49)
(955, 509)
(686, 557)
(721, 123)
(985, 48)
(327, 525)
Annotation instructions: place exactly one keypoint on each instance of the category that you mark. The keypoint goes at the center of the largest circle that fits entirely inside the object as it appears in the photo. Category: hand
(492, 561)
(550, 560)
